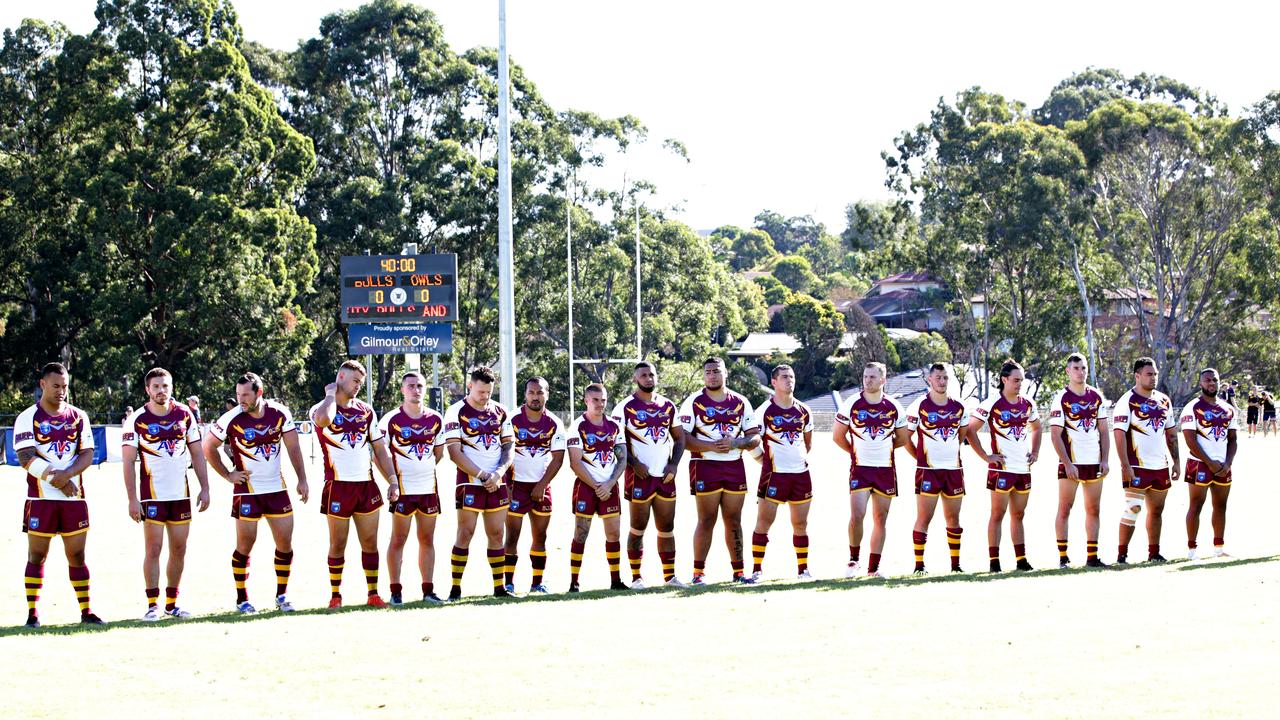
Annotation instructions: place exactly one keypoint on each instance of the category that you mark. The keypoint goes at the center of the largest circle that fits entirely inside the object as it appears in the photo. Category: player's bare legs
(639, 522)
(857, 512)
(1017, 532)
(1155, 521)
(1092, 521)
(879, 517)
(999, 506)
(708, 510)
(153, 546)
(664, 519)
(400, 527)
(731, 512)
(1066, 499)
(538, 525)
(495, 528)
(1134, 499)
(1220, 493)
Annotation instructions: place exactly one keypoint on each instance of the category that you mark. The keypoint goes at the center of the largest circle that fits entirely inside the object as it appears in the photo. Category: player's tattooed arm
(677, 452)
(749, 441)
(1171, 440)
(294, 448)
(620, 452)
(26, 455)
(463, 463)
(504, 458)
(62, 479)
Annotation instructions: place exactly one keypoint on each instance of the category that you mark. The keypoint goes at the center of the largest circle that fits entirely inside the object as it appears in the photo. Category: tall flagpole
(506, 298)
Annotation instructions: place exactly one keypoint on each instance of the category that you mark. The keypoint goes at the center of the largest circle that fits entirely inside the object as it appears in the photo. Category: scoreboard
(399, 288)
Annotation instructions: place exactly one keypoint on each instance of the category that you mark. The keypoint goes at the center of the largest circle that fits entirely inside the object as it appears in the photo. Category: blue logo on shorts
(699, 484)
(335, 506)
(152, 511)
(637, 492)
(853, 484)
(1003, 482)
(468, 499)
(399, 507)
(582, 506)
(1200, 475)
(245, 508)
(925, 485)
(773, 492)
(515, 504)
(35, 523)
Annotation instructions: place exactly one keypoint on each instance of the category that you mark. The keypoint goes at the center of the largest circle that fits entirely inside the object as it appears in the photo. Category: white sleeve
(757, 418)
(1035, 411)
(1056, 418)
(508, 430)
(1120, 414)
(619, 438)
(902, 414)
(24, 430)
(193, 429)
(808, 417)
(1235, 421)
(983, 411)
(574, 439)
(1104, 405)
(913, 414)
(843, 409)
(452, 425)
(748, 413)
(384, 424)
(288, 425)
(219, 427)
(965, 415)
(129, 431)
(685, 416)
(86, 431)
(620, 411)
(375, 428)
(558, 436)
(1189, 416)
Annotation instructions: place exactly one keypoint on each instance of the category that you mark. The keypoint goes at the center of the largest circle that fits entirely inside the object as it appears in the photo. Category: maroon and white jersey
(648, 427)
(935, 432)
(598, 444)
(56, 439)
(709, 420)
(1144, 421)
(535, 441)
(481, 433)
(1009, 425)
(162, 442)
(346, 443)
(1078, 416)
(782, 432)
(413, 442)
(1212, 423)
(873, 427)
(256, 444)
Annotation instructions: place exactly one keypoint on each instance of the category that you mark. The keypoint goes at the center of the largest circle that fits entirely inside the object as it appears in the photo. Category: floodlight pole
(568, 244)
(506, 296)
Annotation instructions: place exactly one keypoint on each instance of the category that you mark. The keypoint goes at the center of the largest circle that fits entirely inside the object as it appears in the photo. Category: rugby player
(597, 456)
(1013, 423)
(655, 444)
(1078, 427)
(54, 442)
(163, 438)
(869, 426)
(1145, 432)
(539, 454)
(1209, 428)
(253, 432)
(346, 429)
(937, 423)
(717, 425)
(415, 439)
(786, 426)
(480, 438)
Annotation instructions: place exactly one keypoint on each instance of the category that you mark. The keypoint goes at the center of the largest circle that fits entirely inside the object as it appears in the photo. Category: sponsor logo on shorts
(152, 511)
(700, 485)
(468, 499)
(245, 508)
(35, 523)
(773, 492)
(1002, 483)
(637, 493)
(515, 504)
(83, 523)
(399, 507)
(1200, 475)
(582, 505)
(853, 484)
(926, 485)
(335, 507)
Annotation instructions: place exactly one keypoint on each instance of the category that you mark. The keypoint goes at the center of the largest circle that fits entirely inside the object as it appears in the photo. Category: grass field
(1187, 638)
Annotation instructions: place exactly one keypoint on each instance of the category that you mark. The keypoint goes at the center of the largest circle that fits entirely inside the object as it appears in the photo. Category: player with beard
(1080, 433)
(655, 444)
(786, 425)
(1013, 424)
(1146, 439)
(539, 454)
(717, 426)
(1209, 428)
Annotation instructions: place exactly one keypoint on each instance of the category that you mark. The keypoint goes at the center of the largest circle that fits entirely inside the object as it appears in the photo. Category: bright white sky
(787, 106)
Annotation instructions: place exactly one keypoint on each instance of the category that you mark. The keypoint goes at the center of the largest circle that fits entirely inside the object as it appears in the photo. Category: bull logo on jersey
(725, 420)
(941, 424)
(1011, 424)
(1151, 413)
(875, 423)
(1084, 415)
(418, 440)
(58, 436)
(484, 430)
(533, 442)
(1213, 422)
(651, 423)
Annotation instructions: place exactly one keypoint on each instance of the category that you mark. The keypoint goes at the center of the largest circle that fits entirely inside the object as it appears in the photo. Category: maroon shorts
(712, 476)
(477, 499)
(522, 500)
(782, 487)
(939, 482)
(643, 491)
(586, 503)
(252, 507)
(167, 512)
(1198, 474)
(342, 499)
(880, 480)
(1002, 481)
(422, 504)
(1144, 479)
(46, 518)
(1087, 473)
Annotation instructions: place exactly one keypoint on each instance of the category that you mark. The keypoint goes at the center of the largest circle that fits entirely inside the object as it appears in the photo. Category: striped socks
(240, 572)
(759, 542)
(953, 546)
(801, 544)
(80, 583)
(917, 545)
(458, 559)
(335, 577)
(284, 561)
(613, 553)
(538, 559)
(575, 561)
(497, 563)
(369, 561)
(34, 580)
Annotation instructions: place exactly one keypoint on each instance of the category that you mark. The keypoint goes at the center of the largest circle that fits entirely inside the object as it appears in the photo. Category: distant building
(900, 301)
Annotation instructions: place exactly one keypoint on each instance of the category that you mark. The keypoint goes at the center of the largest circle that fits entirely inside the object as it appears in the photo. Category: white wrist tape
(38, 467)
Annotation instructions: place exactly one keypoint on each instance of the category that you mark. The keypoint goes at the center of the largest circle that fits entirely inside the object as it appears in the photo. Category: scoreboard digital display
(399, 288)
